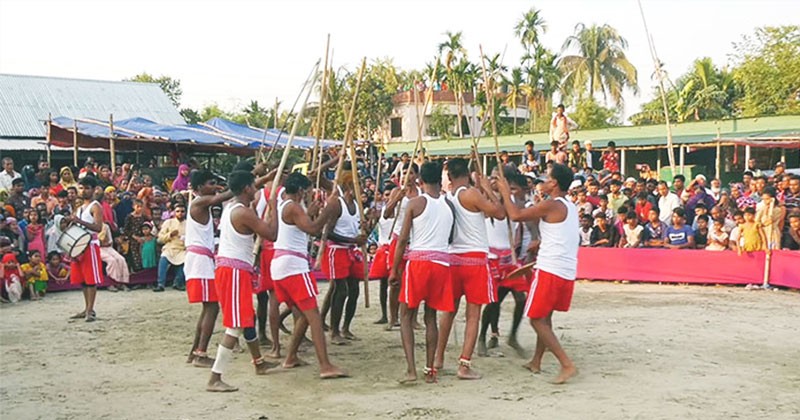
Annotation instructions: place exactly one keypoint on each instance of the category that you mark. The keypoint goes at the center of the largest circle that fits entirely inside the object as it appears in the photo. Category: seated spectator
(699, 210)
(603, 235)
(586, 230)
(643, 207)
(679, 236)
(43, 196)
(584, 206)
(752, 237)
(701, 233)
(616, 198)
(593, 192)
(633, 232)
(64, 207)
(12, 279)
(174, 251)
(147, 246)
(791, 239)
(619, 223)
(116, 266)
(719, 212)
(56, 268)
(35, 275)
(654, 231)
(717, 237)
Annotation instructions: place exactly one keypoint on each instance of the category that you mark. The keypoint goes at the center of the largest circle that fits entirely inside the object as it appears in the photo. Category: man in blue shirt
(679, 236)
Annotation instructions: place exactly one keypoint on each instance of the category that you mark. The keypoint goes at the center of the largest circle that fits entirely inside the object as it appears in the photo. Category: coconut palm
(513, 89)
(543, 77)
(705, 92)
(453, 49)
(600, 64)
(530, 28)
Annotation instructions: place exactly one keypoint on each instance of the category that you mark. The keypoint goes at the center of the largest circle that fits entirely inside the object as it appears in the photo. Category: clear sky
(228, 52)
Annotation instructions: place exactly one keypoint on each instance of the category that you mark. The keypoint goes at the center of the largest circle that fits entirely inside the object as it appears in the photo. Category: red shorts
(473, 281)
(390, 256)
(381, 264)
(299, 290)
(499, 273)
(428, 281)
(265, 283)
(342, 263)
(201, 290)
(87, 268)
(548, 293)
(235, 292)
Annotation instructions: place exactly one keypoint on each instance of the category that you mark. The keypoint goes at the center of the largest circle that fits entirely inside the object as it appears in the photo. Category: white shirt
(290, 238)
(558, 253)
(665, 207)
(198, 266)
(470, 228)
(586, 237)
(6, 178)
(233, 244)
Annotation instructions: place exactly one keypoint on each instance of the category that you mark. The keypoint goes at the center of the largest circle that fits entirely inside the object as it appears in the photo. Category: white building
(403, 121)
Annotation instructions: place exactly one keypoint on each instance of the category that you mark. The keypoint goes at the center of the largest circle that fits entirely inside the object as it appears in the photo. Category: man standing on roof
(560, 126)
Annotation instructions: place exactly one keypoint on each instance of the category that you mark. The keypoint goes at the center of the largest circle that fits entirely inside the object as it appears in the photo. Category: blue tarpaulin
(215, 133)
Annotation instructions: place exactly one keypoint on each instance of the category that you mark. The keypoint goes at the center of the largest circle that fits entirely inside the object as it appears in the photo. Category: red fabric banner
(784, 269)
(671, 265)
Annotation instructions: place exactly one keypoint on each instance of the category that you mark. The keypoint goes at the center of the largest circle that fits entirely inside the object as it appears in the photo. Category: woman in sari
(67, 179)
(181, 182)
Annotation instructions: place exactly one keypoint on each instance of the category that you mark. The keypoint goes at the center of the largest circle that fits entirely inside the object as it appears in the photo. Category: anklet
(464, 362)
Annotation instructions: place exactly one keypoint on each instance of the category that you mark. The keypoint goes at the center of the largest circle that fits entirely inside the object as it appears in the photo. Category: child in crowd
(752, 237)
(717, 238)
(148, 246)
(603, 209)
(679, 236)
(56, 268)
(619, 224)
(584, 206)
(616, 198)
(586, 230)
(12, 280)
(35, 233)
(699, 210)
(791, 240)
(736, 232)
(35, 274)
(603, 235)
(654, 231)
(633, 232)
(63, 207)
(701, 233)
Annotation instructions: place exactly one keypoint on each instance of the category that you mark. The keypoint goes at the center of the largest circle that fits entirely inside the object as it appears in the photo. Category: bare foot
(417, 326)
(305, 344)
(411, 378)
(294, 363)
(565, 374)
(79, 315)
(431, 375)
(338, 340)
(333, 372)
(202, 362)
(482, 351)
(349, 336)
(533, 367)
(466, 372)
(264, 341)
(274, 354)
(382, 321)
(263, 366)
(220, 386)
(493, 344)
(190, 358)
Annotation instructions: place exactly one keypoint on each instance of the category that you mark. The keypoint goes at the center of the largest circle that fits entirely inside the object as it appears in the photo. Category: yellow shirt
(750, 237)
(40, 269)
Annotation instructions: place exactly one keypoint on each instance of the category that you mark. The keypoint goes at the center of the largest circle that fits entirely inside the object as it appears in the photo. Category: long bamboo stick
(360, 209)
(285, 157)
(321, 109)
(111, 143)
(490, 105)
(313, 75)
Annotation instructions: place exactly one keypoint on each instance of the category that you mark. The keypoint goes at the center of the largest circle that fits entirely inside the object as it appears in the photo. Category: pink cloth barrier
(671, 266)
(784, 269)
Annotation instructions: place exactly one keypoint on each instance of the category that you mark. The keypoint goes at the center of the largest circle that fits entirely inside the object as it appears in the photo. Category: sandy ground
(644, 352)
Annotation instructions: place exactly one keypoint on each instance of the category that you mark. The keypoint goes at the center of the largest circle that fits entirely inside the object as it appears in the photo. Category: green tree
(190, 115)
(542, 81)
(768, 70)
(254, 115)
(530, 28)
(705, 92)
(440, 124)
(456, 69)
(170, 86)
(599, 66)
(514, 94)
(213, 111)
(589, 114)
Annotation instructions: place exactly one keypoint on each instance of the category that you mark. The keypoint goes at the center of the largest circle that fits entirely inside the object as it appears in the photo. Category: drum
(74, 241)
(525, 270)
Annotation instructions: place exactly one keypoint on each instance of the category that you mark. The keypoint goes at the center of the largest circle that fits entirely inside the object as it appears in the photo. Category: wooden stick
(314, 76)
(285, 157)
(321, 109)
(360, 209)
(111, 143)
(490, 105)
(49, 141)
(75, 143)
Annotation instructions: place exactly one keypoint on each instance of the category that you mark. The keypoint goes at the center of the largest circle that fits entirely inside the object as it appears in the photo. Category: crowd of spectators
(143, 225)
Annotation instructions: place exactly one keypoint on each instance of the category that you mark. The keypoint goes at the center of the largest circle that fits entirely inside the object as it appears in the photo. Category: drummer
(86, 268)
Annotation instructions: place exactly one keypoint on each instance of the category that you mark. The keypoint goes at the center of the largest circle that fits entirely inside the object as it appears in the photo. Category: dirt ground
(643, 351)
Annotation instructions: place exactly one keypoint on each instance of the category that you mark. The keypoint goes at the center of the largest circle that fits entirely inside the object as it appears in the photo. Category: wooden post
(718, 162)
(783, 155)
(682, 149)
(658, 163)
(112, 143)
(485, 164)
(75, 143)
(746, 156)
(49, 134)
(321, 111)
(622, 161)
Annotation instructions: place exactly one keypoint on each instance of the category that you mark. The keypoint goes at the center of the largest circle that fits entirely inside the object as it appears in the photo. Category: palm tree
(600, 64)
(514, 92)
(452, 48)
(543, 79)
(530, 28)
(704, 92)
(455, 64)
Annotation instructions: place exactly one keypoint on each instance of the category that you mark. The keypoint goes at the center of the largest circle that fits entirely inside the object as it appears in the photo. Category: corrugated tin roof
(624, 137)
(25, 102)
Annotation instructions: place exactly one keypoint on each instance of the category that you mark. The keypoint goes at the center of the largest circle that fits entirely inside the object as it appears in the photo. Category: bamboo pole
(360, 209)
(49, 134)
(490, 103)
(75, 143)
(111, 143)
(285, 157)
(313, 75)
(315, 157)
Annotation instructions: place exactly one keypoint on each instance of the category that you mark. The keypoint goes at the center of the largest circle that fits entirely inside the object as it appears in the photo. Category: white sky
(228, 52)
